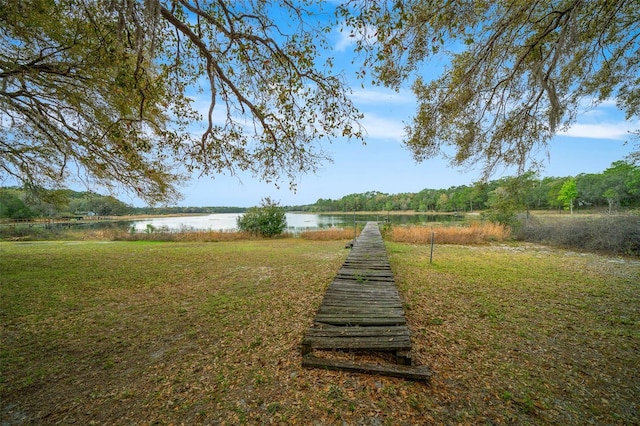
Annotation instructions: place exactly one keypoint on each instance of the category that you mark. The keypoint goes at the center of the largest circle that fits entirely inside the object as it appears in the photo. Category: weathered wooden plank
(363, 283)
(362, 299)
(364, 321)
(358, 331)
(370, 280)
(355, 285)
(356, 288)
(376, 304)
(379, 314)
(364, 278)
(364, 272)
(365, 292)
(373, 302)
(378, 257)
(403, 371)
(375, 343)
(373, 266)
(360, 310)
(363, 295)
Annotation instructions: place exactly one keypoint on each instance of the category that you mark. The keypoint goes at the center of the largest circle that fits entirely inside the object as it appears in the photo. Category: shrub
(268, 220)
(604, 234)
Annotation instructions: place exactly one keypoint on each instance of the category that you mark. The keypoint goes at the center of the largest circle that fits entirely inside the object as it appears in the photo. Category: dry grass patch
(208, 333)
(524, 334)
(166, 236)
(475, 233)
(331, 234)
(137, 332)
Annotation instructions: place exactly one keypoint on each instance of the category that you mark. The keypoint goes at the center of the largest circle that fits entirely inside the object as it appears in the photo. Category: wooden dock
(362, 311)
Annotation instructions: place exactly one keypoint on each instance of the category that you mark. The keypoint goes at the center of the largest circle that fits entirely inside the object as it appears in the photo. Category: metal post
(355, 229)
(432, 238)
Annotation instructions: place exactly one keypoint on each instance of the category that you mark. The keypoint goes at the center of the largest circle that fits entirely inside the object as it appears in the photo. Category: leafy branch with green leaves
(103, 92)
(519, 71)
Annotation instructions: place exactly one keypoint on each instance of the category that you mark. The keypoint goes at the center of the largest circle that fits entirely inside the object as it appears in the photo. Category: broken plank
(406, 372)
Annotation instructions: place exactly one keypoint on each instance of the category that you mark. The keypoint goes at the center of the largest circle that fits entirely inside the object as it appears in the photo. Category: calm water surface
(296, 222)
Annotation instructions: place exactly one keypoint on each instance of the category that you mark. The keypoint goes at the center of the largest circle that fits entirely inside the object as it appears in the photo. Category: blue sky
(384, 164)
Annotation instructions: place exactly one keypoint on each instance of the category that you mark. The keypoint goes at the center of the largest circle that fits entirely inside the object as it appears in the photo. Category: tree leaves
(103, 93)
(519, 70)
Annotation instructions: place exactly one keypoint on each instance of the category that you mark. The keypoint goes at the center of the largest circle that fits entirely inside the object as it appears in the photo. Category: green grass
(548, 336)
(195, 332)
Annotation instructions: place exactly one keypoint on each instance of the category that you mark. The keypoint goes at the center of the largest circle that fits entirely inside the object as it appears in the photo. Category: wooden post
(306, 348)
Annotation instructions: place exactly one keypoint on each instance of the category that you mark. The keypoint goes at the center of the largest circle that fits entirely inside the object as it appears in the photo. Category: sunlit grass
(208, 333)
(548, 335)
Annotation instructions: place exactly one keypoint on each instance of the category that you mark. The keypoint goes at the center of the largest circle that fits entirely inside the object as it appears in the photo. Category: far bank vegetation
(591, 212)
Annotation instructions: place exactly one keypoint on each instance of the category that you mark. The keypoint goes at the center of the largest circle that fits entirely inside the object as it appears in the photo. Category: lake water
(296, 222)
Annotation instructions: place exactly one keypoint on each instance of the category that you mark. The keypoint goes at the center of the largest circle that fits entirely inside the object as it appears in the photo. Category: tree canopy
(103, 91)
(520, 70)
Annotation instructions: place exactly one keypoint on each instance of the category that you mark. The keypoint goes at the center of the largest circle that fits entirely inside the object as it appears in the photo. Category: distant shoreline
(149, 216)
(391, 213)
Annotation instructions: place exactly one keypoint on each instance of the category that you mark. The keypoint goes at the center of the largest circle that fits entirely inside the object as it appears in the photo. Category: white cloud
(382, 128)
(611, 130)
(345, 39)
(378, 97)
(602, 120)
(346, 36)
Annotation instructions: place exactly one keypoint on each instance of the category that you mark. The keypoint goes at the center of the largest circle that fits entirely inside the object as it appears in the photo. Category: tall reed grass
(475, 233)
(328, 234)
(184, 236)
(212, 236)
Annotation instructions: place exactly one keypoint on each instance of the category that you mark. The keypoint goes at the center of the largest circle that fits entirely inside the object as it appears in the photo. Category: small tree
(12, 207)
(509, 198)
(568, 193)
(267, 220)
(502, 207)
(612, 197)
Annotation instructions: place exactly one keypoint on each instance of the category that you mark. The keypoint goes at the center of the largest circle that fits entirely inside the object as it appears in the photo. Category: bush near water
(268, 220)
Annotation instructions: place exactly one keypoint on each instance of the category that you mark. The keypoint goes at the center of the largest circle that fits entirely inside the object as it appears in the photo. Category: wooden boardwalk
(362, 311)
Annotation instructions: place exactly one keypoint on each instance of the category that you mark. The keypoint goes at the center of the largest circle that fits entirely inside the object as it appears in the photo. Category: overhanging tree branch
(110, 90)
(518, 74)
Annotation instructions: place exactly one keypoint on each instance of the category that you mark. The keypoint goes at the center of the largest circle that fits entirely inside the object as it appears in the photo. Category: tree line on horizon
(17, 203)
(616, 187)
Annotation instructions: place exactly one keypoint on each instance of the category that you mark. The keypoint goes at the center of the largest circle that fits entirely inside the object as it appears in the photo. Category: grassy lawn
(208, 333)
